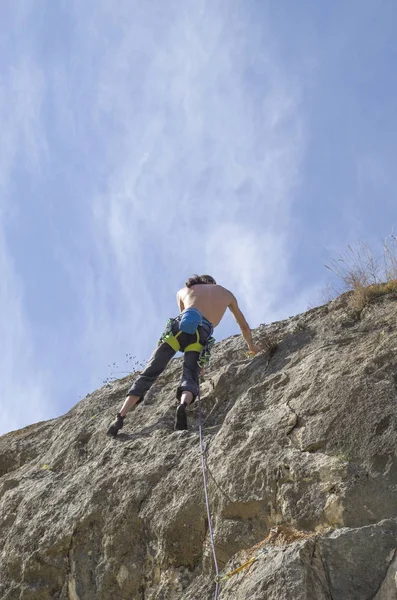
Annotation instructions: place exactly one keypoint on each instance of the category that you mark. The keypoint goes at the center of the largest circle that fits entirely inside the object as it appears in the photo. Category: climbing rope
(218, 576)
(202, 450)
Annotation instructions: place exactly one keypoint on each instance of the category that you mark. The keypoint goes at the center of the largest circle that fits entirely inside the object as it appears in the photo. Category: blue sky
(142, 142)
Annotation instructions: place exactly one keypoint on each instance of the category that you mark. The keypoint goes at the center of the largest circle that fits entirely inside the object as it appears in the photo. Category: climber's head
(207, 279)
(199, 279)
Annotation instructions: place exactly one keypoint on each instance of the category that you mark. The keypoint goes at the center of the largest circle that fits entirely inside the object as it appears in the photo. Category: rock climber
(202, 303)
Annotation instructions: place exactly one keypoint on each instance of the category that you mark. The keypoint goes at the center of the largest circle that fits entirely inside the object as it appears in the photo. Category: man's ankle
(187, 398)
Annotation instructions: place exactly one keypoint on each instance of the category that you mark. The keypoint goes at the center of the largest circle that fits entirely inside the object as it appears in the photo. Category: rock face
(301, 466)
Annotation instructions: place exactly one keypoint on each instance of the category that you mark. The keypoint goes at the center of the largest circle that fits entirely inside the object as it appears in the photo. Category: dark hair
(196, 279)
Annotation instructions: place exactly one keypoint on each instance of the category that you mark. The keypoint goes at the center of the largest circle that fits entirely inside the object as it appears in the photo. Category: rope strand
(202, 449)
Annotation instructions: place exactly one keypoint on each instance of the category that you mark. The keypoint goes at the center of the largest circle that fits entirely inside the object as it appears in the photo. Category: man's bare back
(212, 300)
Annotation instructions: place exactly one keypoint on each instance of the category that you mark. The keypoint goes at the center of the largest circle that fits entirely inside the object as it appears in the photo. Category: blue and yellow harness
(189, 322)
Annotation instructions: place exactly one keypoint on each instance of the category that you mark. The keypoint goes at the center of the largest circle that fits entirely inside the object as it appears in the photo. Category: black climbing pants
(162, 356)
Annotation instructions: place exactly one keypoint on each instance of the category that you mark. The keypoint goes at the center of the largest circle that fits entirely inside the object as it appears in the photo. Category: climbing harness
(202, 450)
(172, 340)
(203, 349)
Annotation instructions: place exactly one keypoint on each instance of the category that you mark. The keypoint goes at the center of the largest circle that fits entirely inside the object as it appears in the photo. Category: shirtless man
(204, 303)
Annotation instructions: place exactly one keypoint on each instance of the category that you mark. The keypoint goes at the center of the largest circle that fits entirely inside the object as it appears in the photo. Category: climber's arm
(242, 323)
(180, 301)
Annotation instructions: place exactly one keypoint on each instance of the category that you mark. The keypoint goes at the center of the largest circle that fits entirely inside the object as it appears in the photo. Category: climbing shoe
(116, 426)
(180, 419)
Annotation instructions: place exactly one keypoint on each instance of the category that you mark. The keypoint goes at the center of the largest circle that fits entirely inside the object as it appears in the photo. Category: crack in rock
(388, 586)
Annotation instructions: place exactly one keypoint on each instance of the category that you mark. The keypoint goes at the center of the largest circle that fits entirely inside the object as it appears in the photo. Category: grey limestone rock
(301, 466)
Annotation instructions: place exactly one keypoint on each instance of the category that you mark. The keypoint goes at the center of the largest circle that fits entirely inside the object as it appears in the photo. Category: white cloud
(23, 390)
(176, 134)
(202, 175)
(192, 144)
(22, 90)
(254, 265)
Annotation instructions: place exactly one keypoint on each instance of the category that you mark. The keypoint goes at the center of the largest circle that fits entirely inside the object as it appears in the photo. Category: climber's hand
(254, 349)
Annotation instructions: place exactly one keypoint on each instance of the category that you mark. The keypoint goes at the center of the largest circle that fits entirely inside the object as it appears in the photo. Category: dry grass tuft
(268, 342)
(365, 274)
(362, 296)
(281, 535)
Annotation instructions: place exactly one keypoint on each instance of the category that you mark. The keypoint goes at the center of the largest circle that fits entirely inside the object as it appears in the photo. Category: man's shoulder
(225, 291)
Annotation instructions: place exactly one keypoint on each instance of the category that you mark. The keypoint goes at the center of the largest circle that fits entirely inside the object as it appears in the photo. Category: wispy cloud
(21, 96)
(24, 386)
(144, 141)
(170, 143)
(203, 157)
